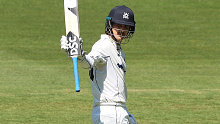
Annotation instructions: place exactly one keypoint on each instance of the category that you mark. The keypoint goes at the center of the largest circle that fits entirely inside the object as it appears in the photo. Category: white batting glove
(64, 43)
(83, 53)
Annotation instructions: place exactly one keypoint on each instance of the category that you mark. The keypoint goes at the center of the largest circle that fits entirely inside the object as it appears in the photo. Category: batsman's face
(120, 31)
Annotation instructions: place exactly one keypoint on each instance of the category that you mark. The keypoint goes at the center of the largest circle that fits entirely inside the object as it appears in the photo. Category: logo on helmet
(126, 15)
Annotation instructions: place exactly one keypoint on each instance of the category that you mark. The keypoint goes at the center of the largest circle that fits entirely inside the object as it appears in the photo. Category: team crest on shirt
(121, 67)
(126, 15)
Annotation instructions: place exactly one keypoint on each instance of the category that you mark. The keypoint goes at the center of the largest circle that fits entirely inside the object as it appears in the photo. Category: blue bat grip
(76, 74)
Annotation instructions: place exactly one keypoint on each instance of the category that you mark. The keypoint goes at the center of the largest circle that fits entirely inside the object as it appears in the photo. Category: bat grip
(76, 74)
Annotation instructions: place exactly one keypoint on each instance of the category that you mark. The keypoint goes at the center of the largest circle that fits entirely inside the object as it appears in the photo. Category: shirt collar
(116, 45)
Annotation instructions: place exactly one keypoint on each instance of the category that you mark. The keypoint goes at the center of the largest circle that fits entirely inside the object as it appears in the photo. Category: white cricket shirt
(107, 74)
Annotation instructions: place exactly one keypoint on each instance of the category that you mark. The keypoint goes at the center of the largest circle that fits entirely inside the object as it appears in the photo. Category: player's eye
(127, 26)
(119, 25)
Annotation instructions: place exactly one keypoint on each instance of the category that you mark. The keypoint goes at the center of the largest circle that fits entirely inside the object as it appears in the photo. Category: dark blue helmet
(121, 15)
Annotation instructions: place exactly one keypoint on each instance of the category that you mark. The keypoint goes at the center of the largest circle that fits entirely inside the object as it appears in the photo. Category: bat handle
(76, 74)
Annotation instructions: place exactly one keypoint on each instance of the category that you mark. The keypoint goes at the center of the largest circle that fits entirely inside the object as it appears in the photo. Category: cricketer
(107, 66)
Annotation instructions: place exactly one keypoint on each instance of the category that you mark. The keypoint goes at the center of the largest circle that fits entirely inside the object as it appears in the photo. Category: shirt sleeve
(97, 57)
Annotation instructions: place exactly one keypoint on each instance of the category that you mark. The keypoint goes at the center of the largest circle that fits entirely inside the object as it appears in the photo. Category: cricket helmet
(121, 15)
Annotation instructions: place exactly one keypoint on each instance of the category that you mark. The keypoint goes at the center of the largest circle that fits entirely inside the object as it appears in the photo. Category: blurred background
(173, 61)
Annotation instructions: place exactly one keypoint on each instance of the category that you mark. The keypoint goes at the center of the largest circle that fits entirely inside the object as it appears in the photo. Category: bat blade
(72, 26)
(72, 17)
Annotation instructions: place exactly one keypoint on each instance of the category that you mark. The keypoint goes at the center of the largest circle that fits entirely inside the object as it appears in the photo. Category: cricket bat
(73, 35)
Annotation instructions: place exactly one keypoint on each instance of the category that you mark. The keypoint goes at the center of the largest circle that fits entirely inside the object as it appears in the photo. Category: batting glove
(66, 46)
(64, 43)
(83, 53)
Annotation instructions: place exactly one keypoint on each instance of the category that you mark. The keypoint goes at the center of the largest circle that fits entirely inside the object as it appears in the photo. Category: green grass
(173, 61)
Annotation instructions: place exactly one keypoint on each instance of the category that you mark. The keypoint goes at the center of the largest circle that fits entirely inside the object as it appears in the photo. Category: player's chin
(119, 39)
